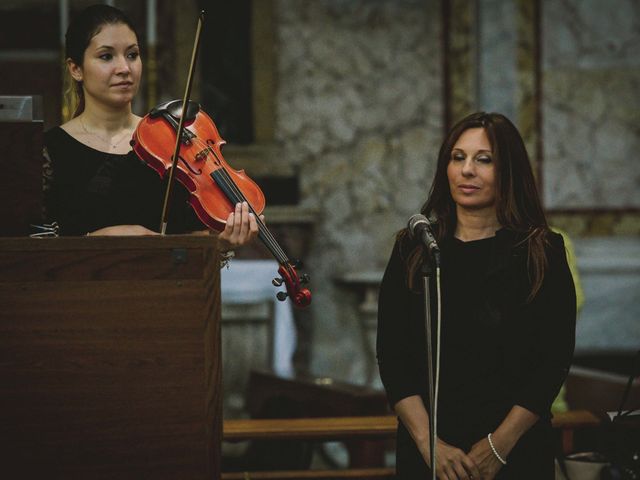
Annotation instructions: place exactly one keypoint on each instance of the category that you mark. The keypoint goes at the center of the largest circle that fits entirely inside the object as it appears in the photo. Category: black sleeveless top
(86, 189)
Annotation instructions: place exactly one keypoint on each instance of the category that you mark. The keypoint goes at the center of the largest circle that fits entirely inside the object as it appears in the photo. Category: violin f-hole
(186, 164)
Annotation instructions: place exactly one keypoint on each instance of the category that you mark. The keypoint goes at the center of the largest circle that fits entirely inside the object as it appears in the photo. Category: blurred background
(337, 109)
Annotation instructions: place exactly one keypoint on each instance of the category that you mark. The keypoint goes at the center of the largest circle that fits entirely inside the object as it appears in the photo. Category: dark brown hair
(86, 25)
(518, 206)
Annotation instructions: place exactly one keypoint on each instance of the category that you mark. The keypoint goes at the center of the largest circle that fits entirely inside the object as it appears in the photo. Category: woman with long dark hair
(94, 183)
(508, 315)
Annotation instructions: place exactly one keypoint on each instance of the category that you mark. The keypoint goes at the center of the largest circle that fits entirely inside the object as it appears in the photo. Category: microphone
(420, 227)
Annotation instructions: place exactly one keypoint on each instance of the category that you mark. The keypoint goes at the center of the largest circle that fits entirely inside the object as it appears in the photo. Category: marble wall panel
(359, 114)
(497, 69)
(528, 72)
(461, 57)
(597, 223)
(609, 269)
(492, 59)
(591, 93)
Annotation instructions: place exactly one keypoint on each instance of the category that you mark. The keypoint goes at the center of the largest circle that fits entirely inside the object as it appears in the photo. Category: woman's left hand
(241, 228)
(487, 462)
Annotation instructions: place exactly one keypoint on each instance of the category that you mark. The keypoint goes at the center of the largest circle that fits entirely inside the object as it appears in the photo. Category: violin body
(215, 188)
(200, 159)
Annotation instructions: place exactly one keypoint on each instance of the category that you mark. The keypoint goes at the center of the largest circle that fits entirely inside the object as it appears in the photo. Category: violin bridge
(202, 154)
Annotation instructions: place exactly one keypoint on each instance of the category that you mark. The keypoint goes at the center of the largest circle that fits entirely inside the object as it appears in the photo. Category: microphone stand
(427, 271)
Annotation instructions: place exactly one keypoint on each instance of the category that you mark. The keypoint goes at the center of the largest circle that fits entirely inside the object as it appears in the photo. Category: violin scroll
(301, 297)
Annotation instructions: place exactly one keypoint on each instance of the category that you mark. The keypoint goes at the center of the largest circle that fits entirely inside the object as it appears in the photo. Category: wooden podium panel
(110, 358)
(21, 180)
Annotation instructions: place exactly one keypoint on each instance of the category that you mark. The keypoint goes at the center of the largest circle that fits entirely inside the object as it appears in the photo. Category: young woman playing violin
(95, 184)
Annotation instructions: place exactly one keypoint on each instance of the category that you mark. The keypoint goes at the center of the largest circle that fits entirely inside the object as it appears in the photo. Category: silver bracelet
(225, 258)
(495, 452)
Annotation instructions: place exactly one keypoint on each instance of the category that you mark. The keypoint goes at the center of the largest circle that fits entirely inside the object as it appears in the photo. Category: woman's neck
(103, 129)
(106, 120)
(476, 224)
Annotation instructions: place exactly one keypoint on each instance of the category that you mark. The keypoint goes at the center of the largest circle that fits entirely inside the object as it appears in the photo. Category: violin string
(265, 234)
(267, 237)
(269, 240)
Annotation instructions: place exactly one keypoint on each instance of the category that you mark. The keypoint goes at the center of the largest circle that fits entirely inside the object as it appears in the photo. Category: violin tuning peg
(304, 278)
(282, 296)
(277, 282)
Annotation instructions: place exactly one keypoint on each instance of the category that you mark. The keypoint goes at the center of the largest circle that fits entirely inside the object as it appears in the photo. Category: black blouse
(86, 189)
(497, 349)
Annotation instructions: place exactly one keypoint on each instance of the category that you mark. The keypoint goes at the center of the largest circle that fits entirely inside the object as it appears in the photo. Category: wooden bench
(356, 428)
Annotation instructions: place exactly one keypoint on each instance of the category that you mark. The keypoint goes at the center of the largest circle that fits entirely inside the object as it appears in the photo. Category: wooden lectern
(110, 358)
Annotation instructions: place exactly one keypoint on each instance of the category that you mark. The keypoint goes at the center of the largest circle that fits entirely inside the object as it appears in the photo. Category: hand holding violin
(241, 228)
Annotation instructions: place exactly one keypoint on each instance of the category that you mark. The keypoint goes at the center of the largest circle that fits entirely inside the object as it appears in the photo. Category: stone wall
(360, 116)
(359, 112)
(610, 275)
(591, 94)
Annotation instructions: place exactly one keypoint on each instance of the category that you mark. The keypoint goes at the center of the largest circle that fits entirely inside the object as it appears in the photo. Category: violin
(215, 188)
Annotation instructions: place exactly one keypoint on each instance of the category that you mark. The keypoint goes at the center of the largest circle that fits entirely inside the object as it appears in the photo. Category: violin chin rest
(174, 108)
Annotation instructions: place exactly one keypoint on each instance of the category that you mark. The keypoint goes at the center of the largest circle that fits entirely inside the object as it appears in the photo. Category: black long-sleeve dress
(86, 189)
(497, 349)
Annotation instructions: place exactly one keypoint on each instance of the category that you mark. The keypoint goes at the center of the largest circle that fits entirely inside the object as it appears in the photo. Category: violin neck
(270, 242)
(235, 195)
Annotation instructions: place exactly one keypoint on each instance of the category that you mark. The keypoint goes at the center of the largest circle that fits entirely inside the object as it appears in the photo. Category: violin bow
(185, 103)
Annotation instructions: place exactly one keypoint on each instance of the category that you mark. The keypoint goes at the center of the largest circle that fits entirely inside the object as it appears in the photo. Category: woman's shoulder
(64, 149)
(404, 244)
(73, 129)
(57, 144)
(62, 135)
(54, 134)
(555, 249)
(554, 239)
(520, 238)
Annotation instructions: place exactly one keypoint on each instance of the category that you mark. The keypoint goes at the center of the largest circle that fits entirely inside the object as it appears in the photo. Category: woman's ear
(75, 70)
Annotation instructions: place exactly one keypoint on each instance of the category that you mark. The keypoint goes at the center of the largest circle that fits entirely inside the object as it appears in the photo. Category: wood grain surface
(109, 358)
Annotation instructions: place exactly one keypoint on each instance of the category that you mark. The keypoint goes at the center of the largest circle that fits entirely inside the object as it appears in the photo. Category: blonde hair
(72, 96)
